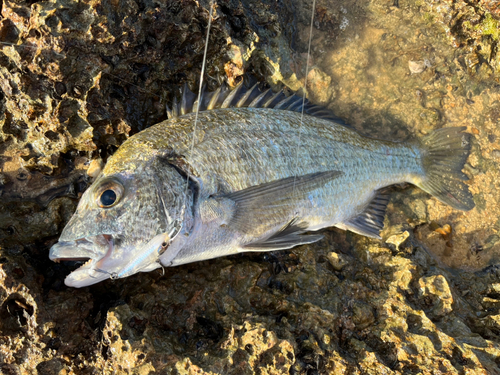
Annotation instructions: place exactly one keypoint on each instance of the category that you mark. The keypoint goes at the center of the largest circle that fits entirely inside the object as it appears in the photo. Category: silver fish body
(257, 179)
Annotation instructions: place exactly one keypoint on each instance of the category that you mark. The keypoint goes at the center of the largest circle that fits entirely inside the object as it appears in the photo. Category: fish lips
(94, 249)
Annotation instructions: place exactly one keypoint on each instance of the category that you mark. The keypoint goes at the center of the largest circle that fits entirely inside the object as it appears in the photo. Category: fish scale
(319, 152)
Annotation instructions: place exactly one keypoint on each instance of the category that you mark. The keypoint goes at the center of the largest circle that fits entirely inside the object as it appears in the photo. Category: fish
(261, 171)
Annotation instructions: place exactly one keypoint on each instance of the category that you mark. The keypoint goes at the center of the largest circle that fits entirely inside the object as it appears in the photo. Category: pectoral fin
(274, 201)
(258, 209)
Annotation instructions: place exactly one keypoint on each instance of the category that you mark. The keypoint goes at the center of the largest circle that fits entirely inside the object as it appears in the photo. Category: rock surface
(78, 78)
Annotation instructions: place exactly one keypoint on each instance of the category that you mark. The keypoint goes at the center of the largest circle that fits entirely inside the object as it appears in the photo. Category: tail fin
(444, 154)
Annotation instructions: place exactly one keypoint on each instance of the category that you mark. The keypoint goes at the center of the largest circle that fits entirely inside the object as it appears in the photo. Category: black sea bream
(258, 179)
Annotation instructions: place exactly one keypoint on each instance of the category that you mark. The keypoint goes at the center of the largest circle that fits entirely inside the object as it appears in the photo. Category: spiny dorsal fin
(371, 221)
(231, 95)
(188, 98)
(247, 96)
(243, 96)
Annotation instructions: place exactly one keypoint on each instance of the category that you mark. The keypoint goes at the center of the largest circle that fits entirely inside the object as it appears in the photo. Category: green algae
(487, 26)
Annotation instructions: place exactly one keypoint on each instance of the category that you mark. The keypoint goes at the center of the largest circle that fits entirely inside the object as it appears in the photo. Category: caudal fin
(444, 154)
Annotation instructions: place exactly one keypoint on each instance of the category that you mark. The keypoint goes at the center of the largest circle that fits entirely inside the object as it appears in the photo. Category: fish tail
(444, 154)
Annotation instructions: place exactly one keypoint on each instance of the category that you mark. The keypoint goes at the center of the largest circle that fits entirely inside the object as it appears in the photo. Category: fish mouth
(93, 249)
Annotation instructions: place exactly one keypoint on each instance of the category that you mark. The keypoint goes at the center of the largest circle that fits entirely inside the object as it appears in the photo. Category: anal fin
(371, 221)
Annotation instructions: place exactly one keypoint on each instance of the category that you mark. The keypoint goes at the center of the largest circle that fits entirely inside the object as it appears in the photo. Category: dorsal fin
(244, 96)
(188, 98)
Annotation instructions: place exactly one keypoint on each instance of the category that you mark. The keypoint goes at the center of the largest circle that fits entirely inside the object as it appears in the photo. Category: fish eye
(108, 197)
(109, 193)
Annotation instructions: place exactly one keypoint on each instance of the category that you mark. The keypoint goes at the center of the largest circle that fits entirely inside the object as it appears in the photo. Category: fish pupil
(108, 197)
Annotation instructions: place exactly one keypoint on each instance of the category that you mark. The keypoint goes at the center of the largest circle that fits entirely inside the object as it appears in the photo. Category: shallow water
(394, 74)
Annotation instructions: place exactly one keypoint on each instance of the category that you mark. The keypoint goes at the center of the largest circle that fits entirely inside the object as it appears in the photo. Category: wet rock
(238, 55)
(95, 168)
(473, 28)
(338, 261)
(493, 321)
(398, 239)
(493, 7)
(435, 292)
(491, 303)
(319, 85)
(261, 348)
(362, 316)
(52, 367)
(124, 350)
(416, 67)
(494, 288)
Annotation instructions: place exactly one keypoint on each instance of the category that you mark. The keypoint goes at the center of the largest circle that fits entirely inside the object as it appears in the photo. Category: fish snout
(91, 249)
(72, 250)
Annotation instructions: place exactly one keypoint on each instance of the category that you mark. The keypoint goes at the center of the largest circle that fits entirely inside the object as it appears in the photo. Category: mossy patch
(488, 26)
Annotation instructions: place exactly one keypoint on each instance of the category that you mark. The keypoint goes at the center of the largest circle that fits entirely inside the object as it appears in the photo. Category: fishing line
(198, 103)
(304, 96)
